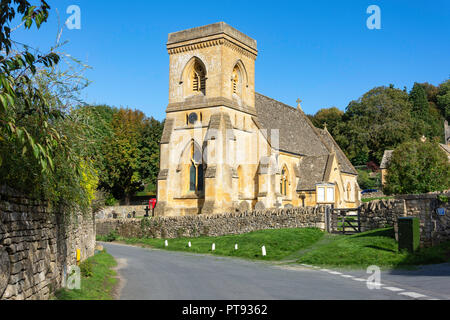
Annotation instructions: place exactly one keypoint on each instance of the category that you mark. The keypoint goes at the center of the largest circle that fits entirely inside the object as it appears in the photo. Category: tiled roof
(167, 132)
(344, 164)
(296, 134)
(312, 170)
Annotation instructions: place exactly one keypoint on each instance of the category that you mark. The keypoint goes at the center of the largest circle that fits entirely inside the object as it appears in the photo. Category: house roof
(386, 159)
(296, 133)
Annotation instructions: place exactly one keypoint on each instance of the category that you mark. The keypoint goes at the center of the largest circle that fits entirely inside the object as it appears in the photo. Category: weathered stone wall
(37, 246)
(434, 228)
(121, 211)
(373, 195)
(382, 213)
(214, 225)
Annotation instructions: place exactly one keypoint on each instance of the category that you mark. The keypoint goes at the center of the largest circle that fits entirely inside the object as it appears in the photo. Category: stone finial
(299, 101)
(325, 126)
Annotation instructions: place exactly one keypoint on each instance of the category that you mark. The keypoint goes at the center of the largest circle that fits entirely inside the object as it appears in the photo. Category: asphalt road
(150, 274)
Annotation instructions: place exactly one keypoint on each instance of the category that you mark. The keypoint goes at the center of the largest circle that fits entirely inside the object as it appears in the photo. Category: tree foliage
(418, 167)
(385, 117)
(329, 117)
(41, 151)
(125, 148)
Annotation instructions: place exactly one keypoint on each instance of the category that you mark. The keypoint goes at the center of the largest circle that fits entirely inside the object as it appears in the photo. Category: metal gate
(345, 221)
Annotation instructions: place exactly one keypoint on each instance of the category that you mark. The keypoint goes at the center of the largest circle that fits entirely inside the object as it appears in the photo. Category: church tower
(211, 95)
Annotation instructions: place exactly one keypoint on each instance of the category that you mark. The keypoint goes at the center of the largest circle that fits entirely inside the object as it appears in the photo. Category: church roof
(296, 134)
(344, 164)
(167, 131)
(312, 171)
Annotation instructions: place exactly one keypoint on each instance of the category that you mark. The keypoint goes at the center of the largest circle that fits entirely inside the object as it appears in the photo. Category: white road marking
(414, 295)
(359, 279)
(395, 289)
(411, 294)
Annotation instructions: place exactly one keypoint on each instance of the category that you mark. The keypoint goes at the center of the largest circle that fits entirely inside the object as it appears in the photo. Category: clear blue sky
(320, 51)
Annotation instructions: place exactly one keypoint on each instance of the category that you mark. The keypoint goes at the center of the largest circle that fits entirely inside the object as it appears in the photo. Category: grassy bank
(377, 247)
(376, 198)
(97, 280)
(279, 243)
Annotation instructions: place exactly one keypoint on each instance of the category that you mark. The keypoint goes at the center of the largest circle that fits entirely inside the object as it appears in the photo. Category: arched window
(198, 78)
(195, 171)
(284, 181)
(236, 80)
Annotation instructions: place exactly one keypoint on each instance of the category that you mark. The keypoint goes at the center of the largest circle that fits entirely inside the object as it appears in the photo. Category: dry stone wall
(373, 215)
(434, 228)
(121, 212)
(37, 246)
(381, 213)
(213, 225)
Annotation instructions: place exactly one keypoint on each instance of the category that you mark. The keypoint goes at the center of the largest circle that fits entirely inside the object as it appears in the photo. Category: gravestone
(260, 206)
(243, 206)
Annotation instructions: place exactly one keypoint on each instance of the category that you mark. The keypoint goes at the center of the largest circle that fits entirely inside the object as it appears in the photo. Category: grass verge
(279, 243)
(97, 280)
(376, 198)
(376, 247)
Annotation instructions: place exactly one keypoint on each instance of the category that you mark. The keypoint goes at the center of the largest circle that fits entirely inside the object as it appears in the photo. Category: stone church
(225, 147)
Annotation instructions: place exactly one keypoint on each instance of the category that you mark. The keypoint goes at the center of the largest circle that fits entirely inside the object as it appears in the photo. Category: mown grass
(99, 285)
(376, 198)
(376, 247)
(279, 243)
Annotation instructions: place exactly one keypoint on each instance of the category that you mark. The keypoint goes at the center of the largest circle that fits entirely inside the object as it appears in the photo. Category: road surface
(159, 274)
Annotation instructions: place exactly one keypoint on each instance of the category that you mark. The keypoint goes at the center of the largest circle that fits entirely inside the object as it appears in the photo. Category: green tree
(19, 95)
(98, 129)
(40, 152)
(379, 120)
(123, 154)
(149, 146)
(443, 99)
(329, 116)
(418, 167)
(426, 118)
